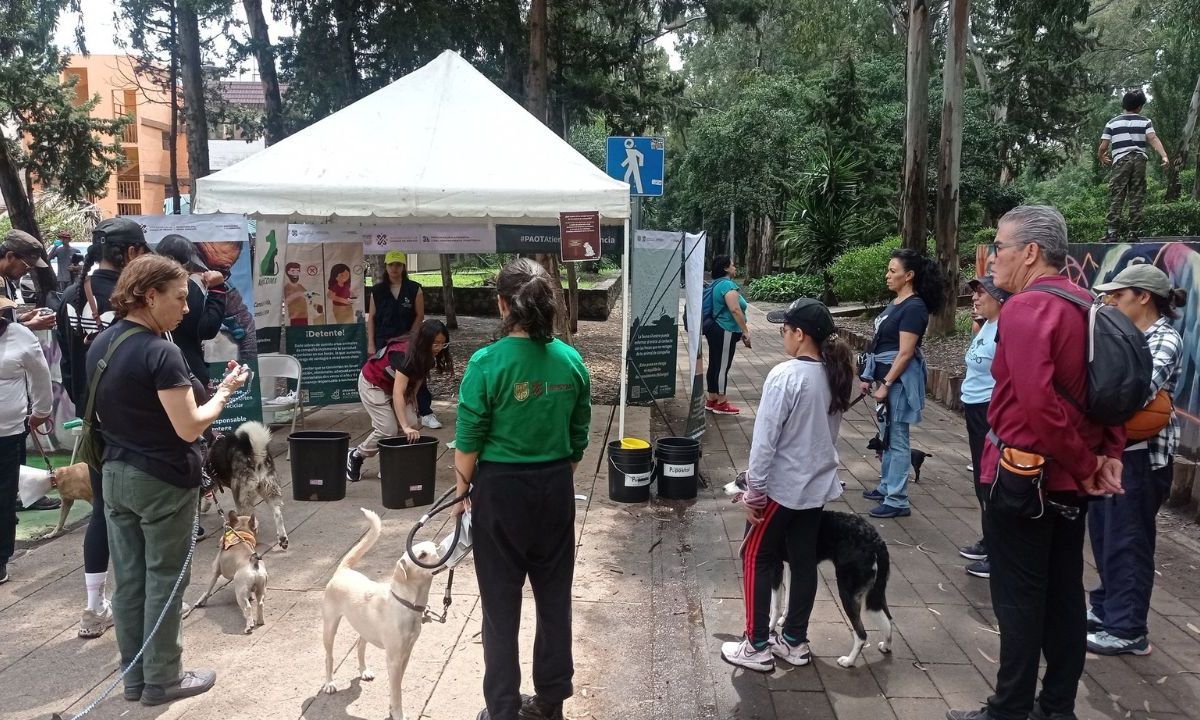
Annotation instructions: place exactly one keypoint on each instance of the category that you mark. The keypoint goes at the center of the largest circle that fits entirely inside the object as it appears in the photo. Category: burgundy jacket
(1041, 341)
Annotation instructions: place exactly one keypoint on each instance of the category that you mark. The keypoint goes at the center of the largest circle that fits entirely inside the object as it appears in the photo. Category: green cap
(1143, 276)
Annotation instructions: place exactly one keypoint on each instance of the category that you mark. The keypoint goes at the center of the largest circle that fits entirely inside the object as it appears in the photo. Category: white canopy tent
(441, 142)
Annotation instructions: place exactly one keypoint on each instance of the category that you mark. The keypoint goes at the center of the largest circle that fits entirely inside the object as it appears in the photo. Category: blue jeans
(897, 461)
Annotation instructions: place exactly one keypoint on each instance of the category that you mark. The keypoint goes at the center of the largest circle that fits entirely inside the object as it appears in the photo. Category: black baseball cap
(807, 314)
(988, 285)
(183, 250)
(120, 232)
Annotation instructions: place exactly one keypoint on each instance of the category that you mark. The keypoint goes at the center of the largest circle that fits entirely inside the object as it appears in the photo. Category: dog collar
(415, 608)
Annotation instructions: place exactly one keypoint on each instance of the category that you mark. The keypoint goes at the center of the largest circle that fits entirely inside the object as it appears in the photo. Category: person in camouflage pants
(1124, 145)
(1127, 184)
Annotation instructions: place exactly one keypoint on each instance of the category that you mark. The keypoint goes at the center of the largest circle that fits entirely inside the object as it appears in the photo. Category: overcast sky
(101, 34)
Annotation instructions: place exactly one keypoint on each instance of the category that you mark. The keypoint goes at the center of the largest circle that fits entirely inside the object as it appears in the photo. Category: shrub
(858, 274)
(967, 245)
(1172, 219)
(785, 287)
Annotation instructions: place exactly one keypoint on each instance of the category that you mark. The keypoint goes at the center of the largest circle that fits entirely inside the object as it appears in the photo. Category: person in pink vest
(388, 385)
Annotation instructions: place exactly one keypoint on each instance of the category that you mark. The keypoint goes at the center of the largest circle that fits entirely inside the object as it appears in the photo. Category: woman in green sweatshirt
(523, 415)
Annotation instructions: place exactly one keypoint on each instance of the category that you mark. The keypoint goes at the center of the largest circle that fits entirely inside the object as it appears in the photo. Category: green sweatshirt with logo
(522, 401)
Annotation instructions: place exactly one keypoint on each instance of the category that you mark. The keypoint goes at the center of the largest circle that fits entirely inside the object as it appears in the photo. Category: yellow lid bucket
(634, 444)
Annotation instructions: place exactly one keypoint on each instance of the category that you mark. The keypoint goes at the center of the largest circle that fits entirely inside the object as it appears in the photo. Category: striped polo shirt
(1127, 133)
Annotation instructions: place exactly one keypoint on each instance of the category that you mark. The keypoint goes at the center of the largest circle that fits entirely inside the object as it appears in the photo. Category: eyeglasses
(997, 247)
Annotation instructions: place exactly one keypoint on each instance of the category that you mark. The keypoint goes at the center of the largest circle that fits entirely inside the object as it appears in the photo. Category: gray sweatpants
(384, 424)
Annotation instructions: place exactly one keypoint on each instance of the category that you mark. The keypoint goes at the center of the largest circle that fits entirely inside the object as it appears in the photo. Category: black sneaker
(133, 693)
(978, 551)
(3, 573)
(534, 708)
(44, 503)
(874, 495)
(193, 682)
(354, 463)
(980, 569)
(1037, 713)
(980, 714)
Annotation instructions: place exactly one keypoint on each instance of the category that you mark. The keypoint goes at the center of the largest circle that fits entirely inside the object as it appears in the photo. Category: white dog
(239, 562)
(388, 615)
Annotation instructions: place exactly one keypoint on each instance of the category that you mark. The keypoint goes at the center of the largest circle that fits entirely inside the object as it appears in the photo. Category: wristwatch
(888, 383)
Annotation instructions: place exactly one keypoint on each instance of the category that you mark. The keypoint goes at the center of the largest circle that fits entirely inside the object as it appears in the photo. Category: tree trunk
(949, 164)
(20, 209)
(573, 291)
(1185, 144)
(535, 80)
(173, 141)
(264, 53)
(448, 292)
(562, 323)
(914, 200)
(1196, 183)
(512, 42)
(343, 16)
(193, 95)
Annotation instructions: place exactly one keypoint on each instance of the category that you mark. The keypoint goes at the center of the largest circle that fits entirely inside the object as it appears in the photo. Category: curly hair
(149, 272)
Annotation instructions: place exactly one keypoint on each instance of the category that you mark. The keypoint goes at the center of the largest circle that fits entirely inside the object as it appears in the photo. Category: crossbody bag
(91, 443)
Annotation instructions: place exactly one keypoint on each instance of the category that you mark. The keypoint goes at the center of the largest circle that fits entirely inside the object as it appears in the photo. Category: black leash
(443, 503)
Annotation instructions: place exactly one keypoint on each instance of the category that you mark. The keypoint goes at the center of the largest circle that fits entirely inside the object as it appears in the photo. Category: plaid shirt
(1164, 342)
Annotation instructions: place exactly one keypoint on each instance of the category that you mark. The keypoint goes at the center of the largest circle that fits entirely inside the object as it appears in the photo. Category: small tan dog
(238, 561)
(73, 483)
(388, 615)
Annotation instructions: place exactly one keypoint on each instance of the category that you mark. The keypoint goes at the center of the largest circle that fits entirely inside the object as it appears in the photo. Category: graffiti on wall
(1092, 264)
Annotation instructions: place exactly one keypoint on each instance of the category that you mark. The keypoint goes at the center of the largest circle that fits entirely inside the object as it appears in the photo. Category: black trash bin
(319, 464)
(677, 462)
(407, 471)
(629, 471)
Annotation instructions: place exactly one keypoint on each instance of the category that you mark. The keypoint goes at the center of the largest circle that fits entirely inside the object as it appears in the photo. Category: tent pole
(624, 330)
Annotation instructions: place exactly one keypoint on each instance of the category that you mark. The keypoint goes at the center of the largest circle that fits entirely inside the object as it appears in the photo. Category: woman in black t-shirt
(390, 383)
(151, 425)
(896, 368)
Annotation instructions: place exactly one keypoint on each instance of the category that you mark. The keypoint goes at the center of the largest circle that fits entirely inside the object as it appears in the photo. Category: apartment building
(141, 185)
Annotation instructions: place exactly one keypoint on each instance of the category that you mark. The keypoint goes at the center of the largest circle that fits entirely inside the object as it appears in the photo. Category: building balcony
(129, 189)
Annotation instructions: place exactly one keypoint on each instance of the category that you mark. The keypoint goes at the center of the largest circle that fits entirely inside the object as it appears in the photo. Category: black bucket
(318, 464)
(629, 473)
(407, 471)
(677, 467)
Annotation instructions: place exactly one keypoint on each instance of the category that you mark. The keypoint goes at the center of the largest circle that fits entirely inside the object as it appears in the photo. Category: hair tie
(831, 336)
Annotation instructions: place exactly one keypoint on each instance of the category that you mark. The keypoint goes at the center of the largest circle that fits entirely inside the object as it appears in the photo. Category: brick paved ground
(657, 590)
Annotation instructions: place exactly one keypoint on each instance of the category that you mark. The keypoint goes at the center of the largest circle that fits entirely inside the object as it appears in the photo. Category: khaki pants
(384, 424)
(149, 531)
(1128, 180)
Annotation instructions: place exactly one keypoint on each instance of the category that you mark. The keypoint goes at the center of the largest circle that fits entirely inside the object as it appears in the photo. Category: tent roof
(442, 141)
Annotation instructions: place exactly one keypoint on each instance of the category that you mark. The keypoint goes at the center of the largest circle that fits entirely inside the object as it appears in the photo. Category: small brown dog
(238, 561)
(73, 483)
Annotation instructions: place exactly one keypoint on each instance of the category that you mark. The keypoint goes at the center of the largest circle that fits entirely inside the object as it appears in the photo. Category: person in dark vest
(395, 306)
(389, 384)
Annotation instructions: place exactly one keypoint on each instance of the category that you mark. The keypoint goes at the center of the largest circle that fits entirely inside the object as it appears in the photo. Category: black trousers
(783, 533)
(12, 450)
(523, 525)
(424, 400)
(95, 538)
(721, 346)
(977, 430)
(1123, 530)
(1037, 595)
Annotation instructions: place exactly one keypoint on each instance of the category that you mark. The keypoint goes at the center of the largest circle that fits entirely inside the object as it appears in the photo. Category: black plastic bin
(319, 464)
(677, 467)
(629, 473)
(407, 471)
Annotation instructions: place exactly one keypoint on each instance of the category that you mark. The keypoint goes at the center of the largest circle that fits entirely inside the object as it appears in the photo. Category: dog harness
(232, 537)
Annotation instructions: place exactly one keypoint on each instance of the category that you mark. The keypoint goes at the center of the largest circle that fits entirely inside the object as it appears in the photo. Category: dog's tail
(368, 541)
(877, 596)
(259, 437)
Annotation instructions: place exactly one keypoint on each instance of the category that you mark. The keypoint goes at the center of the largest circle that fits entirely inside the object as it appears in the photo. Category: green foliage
(1172, 219)
(785, 287)
(55, 212)
(858, 273)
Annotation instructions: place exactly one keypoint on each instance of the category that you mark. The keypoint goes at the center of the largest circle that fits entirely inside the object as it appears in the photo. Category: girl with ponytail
(896, 368)
(523, 416)
(793, 472)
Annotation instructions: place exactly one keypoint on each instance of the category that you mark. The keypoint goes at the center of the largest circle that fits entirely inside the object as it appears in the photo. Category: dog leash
(187, 563)
(442, 504)
(42, 451)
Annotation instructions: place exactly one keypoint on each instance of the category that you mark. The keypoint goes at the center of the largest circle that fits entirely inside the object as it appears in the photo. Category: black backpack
(1119, 363)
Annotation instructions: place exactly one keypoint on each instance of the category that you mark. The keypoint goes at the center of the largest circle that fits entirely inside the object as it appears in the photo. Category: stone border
(594, 303)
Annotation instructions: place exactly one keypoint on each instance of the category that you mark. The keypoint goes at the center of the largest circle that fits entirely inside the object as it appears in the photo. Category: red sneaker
(726, 408)
(709, 405)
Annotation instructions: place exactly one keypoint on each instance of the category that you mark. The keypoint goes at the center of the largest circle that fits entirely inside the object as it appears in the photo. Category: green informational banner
(654, 301)
(332, 357)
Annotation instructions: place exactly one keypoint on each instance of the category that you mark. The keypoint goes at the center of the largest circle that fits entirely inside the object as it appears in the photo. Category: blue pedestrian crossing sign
(639, 162)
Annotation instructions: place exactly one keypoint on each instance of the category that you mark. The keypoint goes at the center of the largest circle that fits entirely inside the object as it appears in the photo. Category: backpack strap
(91, 301)
(1087, 306)
(89, 414)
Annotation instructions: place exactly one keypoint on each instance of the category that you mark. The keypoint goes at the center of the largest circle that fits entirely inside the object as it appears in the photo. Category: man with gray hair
(1036, 551)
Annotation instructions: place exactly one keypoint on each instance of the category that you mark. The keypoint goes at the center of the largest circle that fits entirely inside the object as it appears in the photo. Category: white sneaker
(744, 655)
(797, 655)
(430, 421)
(93, 624)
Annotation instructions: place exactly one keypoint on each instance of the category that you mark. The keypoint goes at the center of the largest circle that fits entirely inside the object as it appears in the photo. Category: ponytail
(527, 289)
(839, 369)
(1177, 297)
(927, 277)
